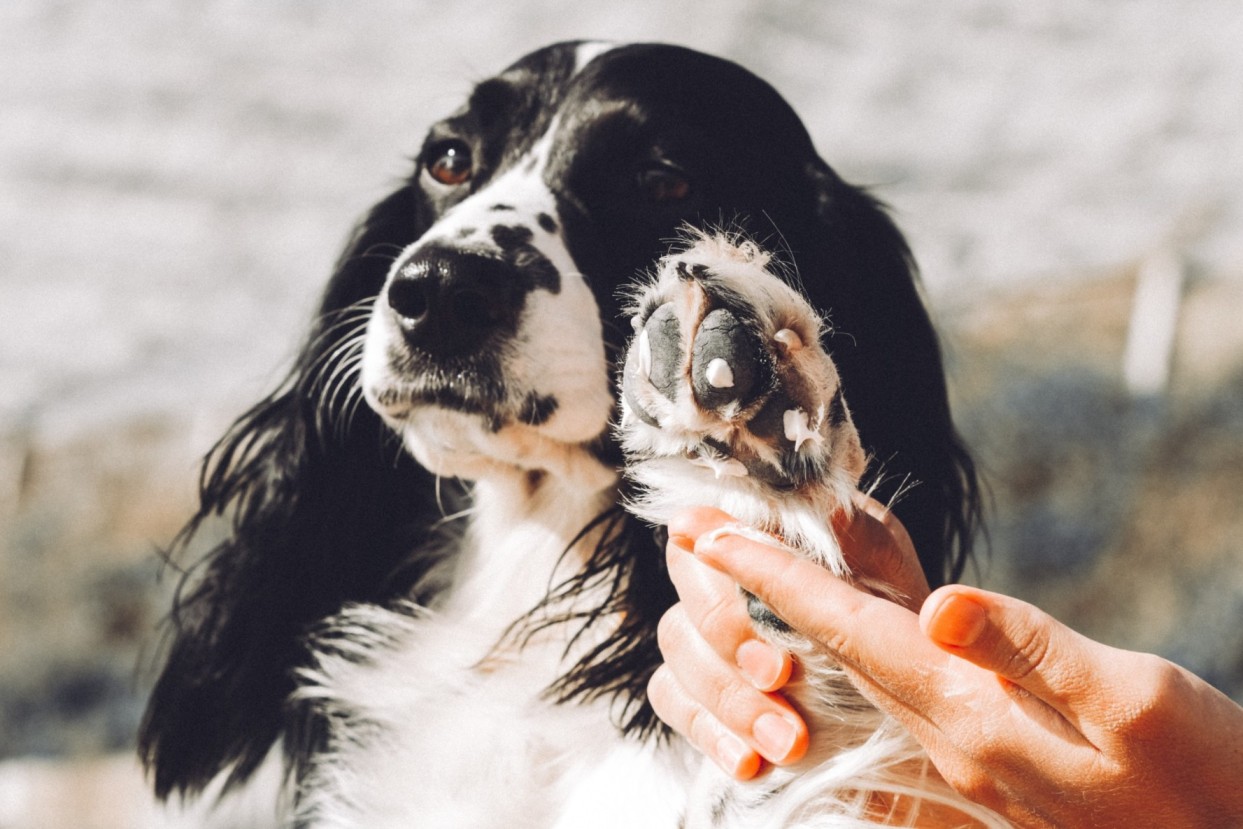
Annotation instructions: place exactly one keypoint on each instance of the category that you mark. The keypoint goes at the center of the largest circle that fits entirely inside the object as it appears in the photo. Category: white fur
(443, 721)
(589, 51)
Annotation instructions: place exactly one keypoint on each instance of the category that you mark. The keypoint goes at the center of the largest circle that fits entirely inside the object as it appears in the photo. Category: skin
(1017, 711)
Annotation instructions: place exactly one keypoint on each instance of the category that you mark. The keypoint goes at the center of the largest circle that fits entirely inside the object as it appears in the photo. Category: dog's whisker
(359, 308)
(343, 405)
(343, 384)
(331, 322)
(345, 360)
(352, 409)
(335, 374)
(353, 323)
(353, 338)
(378, 251)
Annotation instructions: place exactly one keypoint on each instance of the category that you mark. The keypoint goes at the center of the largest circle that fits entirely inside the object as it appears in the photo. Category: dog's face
(558, 182)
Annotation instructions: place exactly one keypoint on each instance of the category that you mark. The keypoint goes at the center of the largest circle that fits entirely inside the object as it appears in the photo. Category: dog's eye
(450, 163)
(663, 184)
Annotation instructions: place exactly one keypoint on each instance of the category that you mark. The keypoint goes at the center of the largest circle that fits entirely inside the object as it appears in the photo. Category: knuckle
(670, 630)
(701, 728)
(837, 642)
(974, 783)
(724, 619)
(1030, 654)
(673, 704)
(661, 694)
(686, 683)
(845, 635)
(657, 689)
(733, 702)
(1148, 714)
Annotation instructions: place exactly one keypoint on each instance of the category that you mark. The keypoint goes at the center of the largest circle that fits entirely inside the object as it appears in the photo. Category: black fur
(324, 507)
(321, 513)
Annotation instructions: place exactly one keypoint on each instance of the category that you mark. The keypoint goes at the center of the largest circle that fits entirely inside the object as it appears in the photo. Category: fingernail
(704, 543)
(760, 664)
(775, 735)
(710, 539)
(683, 542)
(957, 621)
(735, 757)
(708, 546)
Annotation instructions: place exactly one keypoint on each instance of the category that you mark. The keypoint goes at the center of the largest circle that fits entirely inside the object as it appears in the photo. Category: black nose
(452, 303)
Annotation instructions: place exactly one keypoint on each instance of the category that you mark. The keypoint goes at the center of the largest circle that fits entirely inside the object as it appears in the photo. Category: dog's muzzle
(452, 303)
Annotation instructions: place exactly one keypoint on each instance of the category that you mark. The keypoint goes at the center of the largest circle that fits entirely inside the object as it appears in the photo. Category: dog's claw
(719, 374)
(798, 430)
(789, 340)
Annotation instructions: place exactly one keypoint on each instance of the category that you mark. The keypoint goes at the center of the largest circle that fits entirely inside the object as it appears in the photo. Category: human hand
(719, 682)
(1017, 711)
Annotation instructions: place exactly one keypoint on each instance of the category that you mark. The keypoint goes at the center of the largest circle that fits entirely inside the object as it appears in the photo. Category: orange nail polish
(735, 758)
(683, 542)
(776, 736)
(957, 622)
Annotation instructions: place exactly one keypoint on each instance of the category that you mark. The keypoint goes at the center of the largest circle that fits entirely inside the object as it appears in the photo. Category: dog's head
(478, 310)
(560, 180)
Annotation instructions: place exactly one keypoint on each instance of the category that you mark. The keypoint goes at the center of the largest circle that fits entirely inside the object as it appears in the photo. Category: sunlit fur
(421, 600)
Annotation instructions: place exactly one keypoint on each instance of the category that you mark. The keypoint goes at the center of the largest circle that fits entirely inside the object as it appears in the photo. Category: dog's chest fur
(444, 712)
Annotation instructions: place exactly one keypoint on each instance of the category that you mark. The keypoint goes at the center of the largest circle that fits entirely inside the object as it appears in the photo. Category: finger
(766, 722)
(873, 635)
(878, 549)
(685, 715)
(946, 702)
(710, 597)
(693, 523)
(716, 608)
(1019, 643)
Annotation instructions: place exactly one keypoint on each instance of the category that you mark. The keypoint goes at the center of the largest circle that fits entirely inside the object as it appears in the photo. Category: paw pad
(726, 374)
(660, 350)
(726, 363)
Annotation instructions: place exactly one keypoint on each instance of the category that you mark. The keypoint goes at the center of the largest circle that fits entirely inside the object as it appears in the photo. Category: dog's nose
(450, 303)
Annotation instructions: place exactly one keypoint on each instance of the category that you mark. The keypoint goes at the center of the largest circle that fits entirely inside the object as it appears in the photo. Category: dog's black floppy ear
(323, 509)
(884, 345)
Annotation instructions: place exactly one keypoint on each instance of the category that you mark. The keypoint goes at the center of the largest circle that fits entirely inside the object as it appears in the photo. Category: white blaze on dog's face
(485, 347)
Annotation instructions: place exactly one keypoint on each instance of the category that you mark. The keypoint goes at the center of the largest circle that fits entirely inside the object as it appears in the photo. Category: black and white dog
(431, 606)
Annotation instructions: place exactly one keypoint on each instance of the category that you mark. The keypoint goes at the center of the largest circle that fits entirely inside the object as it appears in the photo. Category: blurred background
(176, 179)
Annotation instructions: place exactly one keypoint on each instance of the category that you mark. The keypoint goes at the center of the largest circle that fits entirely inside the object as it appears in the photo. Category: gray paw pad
(660, 345)
(727, 362)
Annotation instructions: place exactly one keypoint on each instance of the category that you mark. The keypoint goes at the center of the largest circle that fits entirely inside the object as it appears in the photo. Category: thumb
(1015, 640)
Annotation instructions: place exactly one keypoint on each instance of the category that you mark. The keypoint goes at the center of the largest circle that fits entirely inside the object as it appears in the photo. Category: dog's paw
(729, 399)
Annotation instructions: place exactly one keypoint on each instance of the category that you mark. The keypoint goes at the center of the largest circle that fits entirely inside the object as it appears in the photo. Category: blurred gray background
(176, 179)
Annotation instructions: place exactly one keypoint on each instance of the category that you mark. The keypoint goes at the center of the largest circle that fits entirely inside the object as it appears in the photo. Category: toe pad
(727, 362)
